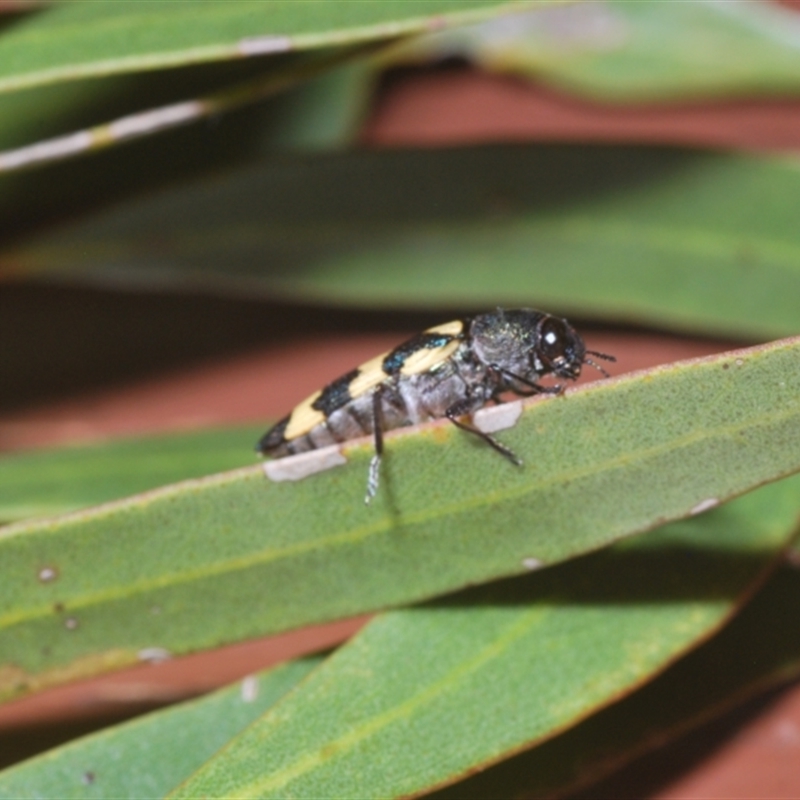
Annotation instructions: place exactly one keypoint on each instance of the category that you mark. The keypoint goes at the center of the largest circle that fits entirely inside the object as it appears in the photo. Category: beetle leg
(375, 464)
(535, 388)
(463, 407)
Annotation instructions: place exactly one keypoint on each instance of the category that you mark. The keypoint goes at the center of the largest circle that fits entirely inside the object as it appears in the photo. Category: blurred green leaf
(41, 112)
(644, 235)
(174, 568)
(80, 39)
(309, 103)
(323, 113)
(424, 696)
(118, 59)
(31, 200)
(52, 482)
(152, 754)
(622, 51)
(320, 102)
(758, 650)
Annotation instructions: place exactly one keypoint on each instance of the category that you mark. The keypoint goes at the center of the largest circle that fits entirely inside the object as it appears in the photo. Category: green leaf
(113, 57)
(174, 568)
(424, 696)
(623, 51)
(702, 684)
(78, 39)
(758, 650)
(639, 234)
(62, 121)
(306, 103)
(324, 113)
(151, 754)
(317, 103)
(49, 110)
(56, 481)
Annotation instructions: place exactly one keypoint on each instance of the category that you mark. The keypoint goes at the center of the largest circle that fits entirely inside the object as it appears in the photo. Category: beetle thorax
(507, 340)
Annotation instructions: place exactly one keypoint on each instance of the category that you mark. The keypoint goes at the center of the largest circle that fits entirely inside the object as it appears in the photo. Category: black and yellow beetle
(450, 370)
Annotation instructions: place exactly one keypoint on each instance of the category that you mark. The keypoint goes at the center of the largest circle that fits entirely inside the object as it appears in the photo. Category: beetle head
(530, 344)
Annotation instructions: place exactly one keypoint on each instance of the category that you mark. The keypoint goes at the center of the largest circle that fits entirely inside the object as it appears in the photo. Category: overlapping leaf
(103, 37)
(81, 76)
(760, 649)
(622, 51)
(503, 666)
(48, 482)
(157, 751)
(174, 569)
(55, 122)
(645, 235)
(618, 50)
(632, 606)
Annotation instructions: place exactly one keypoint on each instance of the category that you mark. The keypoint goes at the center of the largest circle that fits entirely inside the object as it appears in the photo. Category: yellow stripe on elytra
(370, 374)
(427, 358)
(454, 328)
(303, 418)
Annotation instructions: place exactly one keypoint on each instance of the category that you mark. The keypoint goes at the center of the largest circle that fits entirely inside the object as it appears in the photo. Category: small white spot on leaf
(70, 623)
(154, 655)
(295, 468)
(704, 505)
(739, 362)
(263, 45)
(532, 563)
(249, 688)
(498, 418)
(47, 574)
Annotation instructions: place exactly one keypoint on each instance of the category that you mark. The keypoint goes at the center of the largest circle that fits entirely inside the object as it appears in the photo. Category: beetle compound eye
(553, 339)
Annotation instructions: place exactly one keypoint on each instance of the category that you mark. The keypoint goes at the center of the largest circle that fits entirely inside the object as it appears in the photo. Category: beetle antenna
(604, 356)
(594, 364)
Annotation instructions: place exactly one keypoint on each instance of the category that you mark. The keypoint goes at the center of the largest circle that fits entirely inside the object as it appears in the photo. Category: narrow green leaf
(93, 38)
(52, 482)
(151, 754)
(423, 696)
(758, 650)
(623, 51)
(320, 102)
(64, 108)
(640, 234)
(174, 568)
(112, 56)
(324, 113)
